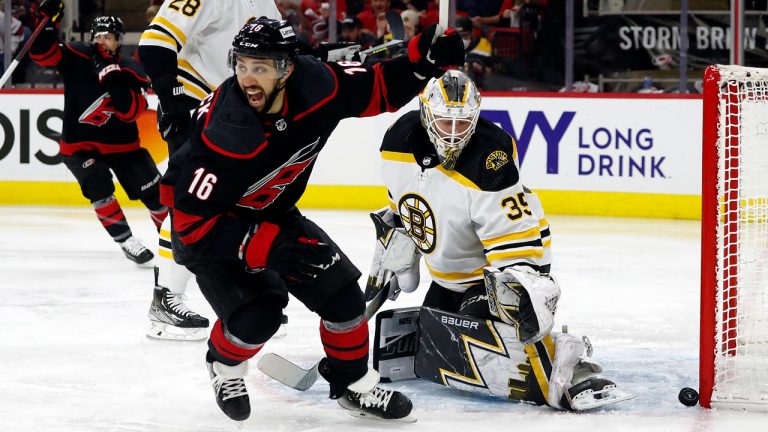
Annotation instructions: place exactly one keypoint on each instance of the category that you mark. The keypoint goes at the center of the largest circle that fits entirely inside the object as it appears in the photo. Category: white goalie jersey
(477, 215)
(201, 33)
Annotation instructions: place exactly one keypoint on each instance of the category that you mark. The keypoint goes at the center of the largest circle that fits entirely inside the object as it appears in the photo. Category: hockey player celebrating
(235, 184)
(183, 52)
(103, 96)
(456, 198)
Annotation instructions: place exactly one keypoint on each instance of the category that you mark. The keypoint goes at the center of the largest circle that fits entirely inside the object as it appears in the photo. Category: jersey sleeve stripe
(508, 246)
(519, 253)
(456, 276)
(186, 70)
(530, 233)
(166, 24)
(397, 156)
(152, 38)
(454, 175)
(191, 89)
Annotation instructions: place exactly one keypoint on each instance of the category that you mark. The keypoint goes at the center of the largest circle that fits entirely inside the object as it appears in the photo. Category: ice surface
(73, 355)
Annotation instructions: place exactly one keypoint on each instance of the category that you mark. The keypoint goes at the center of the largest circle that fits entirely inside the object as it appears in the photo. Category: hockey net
(734, 269)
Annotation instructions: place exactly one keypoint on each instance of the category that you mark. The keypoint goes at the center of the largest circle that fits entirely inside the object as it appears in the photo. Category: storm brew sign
(646, 42)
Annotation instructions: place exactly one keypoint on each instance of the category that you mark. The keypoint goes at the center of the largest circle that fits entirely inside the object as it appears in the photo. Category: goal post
(733, 369)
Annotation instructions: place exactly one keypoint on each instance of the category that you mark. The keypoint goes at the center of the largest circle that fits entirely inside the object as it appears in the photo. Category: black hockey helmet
(108, 24)
(266, 38)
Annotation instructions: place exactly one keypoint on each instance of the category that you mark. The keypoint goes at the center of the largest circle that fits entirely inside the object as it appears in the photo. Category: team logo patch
(419, 221)
(281, 125)
(496, 160)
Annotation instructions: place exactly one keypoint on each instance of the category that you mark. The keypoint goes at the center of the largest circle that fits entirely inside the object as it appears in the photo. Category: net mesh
(741, 341)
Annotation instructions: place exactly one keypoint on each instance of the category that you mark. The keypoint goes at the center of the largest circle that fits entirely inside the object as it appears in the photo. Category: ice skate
(229, 389)
(170, 319)
(363, 398)
(135, 251)
(574, 384)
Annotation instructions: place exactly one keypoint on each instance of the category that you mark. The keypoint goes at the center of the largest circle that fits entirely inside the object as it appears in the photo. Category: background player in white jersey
(184, 52)
(456, 198)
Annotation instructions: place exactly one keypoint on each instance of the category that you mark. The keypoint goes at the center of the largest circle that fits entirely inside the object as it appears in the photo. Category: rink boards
(617, 155)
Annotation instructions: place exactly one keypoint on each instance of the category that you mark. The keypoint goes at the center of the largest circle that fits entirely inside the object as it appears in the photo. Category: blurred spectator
(151, 12)
(414, 5)
(432, 15)
(410, 22)
(317, 5)
(352, 31)
(17, 34)
(478, 61)
(290, 10)
(377, 11)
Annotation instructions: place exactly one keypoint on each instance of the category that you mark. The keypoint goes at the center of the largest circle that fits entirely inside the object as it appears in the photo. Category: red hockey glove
(52, 9)
(293, 256)
(434, 51)
(104, 63)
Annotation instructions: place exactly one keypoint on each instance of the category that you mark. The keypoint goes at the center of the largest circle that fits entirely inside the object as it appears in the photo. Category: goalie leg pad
(395, 342)
(523, 298)
(474, 355)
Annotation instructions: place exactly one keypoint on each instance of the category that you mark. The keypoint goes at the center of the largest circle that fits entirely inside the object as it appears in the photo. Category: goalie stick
(296, 377)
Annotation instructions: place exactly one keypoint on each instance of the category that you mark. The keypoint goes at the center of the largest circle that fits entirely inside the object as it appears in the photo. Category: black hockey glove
(173, 117)
(52, 9)
(104, 63)
(293, 256)
(434, 51)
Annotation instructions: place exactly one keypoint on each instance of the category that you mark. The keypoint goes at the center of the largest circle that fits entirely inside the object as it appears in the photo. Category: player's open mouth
(255, 96)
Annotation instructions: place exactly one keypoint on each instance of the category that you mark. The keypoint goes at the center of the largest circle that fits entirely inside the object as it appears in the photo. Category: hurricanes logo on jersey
(419, 221)
(496, 160)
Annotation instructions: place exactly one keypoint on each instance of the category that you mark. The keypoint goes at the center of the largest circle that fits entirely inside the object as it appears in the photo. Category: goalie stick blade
(287, 372)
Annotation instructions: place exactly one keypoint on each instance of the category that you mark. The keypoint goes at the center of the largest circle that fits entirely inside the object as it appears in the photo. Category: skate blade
(163, 331)
(589, 400)
(364, 415)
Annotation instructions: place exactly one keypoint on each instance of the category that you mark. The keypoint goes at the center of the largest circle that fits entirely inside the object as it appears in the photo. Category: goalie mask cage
(733, 370)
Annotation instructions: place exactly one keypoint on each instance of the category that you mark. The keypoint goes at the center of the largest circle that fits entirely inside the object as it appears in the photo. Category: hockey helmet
(108, 24)
(266, 38)
(449, 108)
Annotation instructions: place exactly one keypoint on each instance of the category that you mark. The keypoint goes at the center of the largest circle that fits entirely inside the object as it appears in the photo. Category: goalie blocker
(486, 356)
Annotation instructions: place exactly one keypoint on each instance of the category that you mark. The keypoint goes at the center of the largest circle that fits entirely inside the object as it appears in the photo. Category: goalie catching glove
(395, 253)
(524, 298)
(292, 255)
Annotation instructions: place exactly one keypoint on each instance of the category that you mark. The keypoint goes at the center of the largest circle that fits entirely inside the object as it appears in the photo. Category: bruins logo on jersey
(496, 160)
(419, 221)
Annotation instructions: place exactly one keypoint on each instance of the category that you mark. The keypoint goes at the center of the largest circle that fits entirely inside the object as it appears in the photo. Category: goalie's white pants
(170, 274)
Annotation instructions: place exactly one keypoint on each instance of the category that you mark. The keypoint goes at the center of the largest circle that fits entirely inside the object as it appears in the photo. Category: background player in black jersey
(103, 97)
(234, 187)
(457, 199)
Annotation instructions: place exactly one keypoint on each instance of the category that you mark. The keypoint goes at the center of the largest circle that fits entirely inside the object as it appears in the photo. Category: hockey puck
(688, 396)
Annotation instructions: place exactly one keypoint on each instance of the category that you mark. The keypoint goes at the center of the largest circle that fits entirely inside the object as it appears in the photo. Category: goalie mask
(449, 109)
(265, 38)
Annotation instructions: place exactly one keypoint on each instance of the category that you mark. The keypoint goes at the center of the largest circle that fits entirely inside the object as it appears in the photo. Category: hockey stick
(23, 52)
(396, 25)
(296, 377)
(443, 13)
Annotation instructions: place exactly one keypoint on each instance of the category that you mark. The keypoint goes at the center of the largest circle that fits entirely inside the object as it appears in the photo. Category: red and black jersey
(239, 168)
(97, 116)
